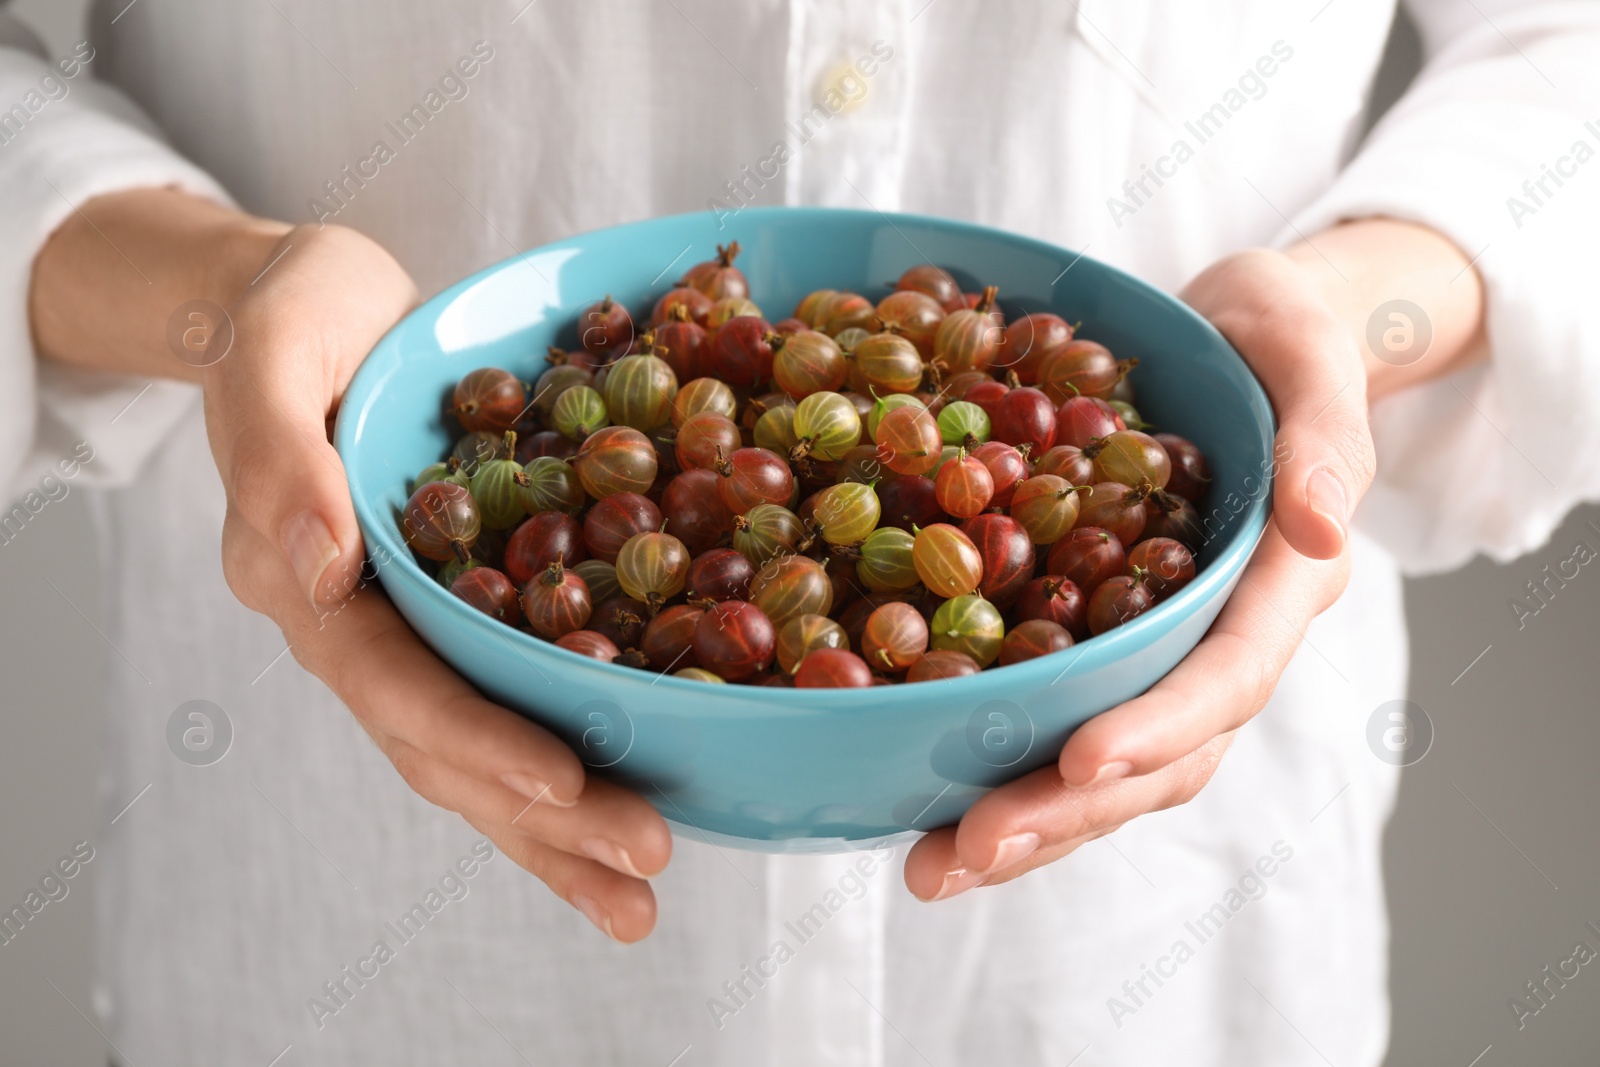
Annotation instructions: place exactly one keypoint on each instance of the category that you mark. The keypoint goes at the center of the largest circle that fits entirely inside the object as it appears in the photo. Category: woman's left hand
(1160, 749)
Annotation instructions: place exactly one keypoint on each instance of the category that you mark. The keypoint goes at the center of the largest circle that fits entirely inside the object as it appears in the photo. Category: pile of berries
(855, 495)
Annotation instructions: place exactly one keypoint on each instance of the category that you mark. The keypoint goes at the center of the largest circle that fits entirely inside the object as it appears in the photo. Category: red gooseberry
(556, 602)
(1032, 639)
(1087, 556)
(490, 591)
(734, 639)
(589, 643)
(1118, 600)
(1056, 599)
(832, 668)
(546, 538)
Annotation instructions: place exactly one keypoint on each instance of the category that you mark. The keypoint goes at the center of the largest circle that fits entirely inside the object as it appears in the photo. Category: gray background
(1484, 892)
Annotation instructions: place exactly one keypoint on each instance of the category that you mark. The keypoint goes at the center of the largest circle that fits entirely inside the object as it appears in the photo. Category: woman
(1236, 915)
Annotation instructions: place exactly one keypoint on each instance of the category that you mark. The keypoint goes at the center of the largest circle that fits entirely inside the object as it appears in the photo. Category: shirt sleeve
(65, 139)
(1495, 146)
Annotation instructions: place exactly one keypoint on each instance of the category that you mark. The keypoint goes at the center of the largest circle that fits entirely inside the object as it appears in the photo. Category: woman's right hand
(291, 548)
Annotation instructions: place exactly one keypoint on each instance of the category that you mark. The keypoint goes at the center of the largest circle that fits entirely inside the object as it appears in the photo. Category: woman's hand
(319, 301)
(1161, 748)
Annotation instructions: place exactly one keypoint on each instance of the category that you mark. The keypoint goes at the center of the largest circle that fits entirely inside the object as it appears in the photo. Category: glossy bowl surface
(788, 770)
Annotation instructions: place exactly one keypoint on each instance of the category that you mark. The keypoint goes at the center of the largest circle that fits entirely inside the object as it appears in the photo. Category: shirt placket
(847, 90)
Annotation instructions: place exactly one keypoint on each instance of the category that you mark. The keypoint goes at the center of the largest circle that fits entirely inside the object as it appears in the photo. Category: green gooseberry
(968, 624)
(827, 426)
(846, 512)
(964, 423)
(552, 486)
(886, 563)
(579, 412)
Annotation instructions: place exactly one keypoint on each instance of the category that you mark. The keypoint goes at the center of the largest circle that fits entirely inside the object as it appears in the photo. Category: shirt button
(843, 88)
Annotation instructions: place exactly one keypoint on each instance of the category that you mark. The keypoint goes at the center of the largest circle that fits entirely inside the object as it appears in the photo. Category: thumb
(300, 334)
(282, 475)
(1311, 368)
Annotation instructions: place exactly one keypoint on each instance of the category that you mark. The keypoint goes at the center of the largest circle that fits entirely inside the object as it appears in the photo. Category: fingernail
(1013, 850)
(310, 547)
(611, 854)
(595, 914)
(534, 789)
(1111, 771)
(957, 881)
(1325, 495)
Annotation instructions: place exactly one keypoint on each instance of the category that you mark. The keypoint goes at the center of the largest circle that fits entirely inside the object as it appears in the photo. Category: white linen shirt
(234, 897)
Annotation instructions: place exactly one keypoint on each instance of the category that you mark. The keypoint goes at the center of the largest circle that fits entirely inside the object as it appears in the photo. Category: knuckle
(238, 564)
(417, 771)
(252, 478)
(1245, 671)
(1350, 437)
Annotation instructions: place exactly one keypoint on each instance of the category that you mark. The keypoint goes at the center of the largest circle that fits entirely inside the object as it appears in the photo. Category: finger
(623, 908)
(1047, 855)
(1027, 823)
(392, 682)
(609, 824)
(269, 401)
(1311, 367)
(1224, 682)
(934, 871)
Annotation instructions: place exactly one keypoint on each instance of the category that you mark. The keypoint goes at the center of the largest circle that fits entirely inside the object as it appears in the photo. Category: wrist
(1408, 296)
(110, 278)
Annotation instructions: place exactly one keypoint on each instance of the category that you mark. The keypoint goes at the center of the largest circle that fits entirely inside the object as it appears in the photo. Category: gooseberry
(1117, 600)
(969, 624)
(490, 400)
(718, 278)
(886, 563)
(441, 521)
(720, 574)
(808, 362)
(556, 602)
(804, 634)
(1032, 639)
(652, 568)
(546, 538)
(490, 591)
(734, 640)
(1087, 557)
(605, 326)
(946, 560)
(895, 637)
(589, 643)
(791, 585)
(614, 520)
(832, 668)
(617, 459)
(1056, 599)
(964, 486)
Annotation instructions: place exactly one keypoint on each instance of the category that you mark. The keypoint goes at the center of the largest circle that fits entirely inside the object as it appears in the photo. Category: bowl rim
(1100, 649)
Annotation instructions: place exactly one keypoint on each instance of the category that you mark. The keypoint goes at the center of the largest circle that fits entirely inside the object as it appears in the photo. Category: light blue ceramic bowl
(787, 770)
